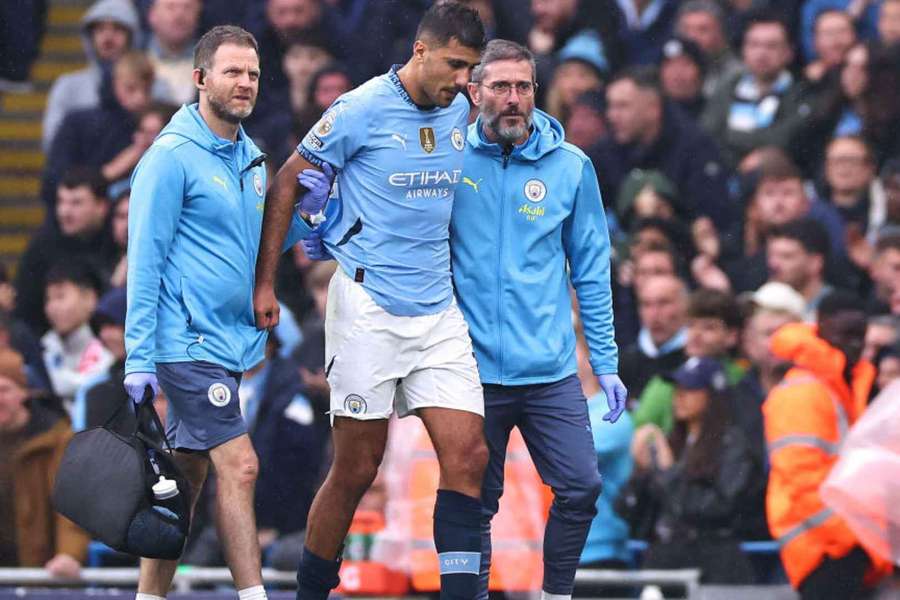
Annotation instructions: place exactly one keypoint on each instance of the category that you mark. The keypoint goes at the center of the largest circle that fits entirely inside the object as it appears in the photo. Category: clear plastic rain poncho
(864, 485)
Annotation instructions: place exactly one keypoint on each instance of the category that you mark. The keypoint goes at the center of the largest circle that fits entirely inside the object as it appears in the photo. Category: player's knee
(242, 468)
(580, 500)
(356, 476)
(467, 467)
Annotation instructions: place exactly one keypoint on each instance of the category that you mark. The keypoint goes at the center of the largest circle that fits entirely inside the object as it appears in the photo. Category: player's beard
(508, 134)
(221, 109)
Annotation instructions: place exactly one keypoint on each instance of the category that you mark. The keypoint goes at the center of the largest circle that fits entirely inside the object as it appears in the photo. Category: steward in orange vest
(806, 420)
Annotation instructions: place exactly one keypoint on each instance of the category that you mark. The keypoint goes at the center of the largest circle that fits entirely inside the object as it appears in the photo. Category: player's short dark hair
(807, 232)
(447, 20)
(503, 50)
(90, 177)
(645, 77)
(206, 47)
(707, 303)
(75, 271)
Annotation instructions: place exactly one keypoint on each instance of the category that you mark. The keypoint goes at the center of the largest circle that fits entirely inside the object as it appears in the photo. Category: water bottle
(165, 496)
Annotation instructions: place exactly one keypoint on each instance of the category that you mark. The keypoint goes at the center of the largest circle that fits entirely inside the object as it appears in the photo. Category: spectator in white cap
(770, 307)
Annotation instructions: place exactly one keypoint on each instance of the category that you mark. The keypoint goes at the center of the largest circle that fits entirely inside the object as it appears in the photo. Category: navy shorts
(204, 408)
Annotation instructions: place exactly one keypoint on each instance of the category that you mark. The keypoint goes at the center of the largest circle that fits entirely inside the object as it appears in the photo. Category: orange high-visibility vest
(517, 529)
(806, 419)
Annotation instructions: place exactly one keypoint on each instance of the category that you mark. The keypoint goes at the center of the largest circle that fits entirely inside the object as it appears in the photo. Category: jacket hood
(120, 11)
(800, 344)
(188, 123)
(546, 136)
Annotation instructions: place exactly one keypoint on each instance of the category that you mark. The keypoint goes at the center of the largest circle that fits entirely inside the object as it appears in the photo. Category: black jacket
(636, 368)
(684, 154)
(47, 248)
(672, 505)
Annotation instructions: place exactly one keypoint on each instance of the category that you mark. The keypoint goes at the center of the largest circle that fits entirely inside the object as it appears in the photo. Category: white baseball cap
(781, 297)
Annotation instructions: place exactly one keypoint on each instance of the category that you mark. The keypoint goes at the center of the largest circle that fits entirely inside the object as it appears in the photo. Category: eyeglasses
(504, 88)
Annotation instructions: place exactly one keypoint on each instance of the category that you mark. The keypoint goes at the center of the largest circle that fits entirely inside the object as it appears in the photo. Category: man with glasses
(529, 207)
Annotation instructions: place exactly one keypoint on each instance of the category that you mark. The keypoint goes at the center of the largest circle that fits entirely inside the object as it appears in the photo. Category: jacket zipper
(506, 153)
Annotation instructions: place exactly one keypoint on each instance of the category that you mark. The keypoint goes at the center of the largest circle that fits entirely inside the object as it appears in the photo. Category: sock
(457, 537)
(143, 596)
(546, 596)
(316, 576)
(257, 592)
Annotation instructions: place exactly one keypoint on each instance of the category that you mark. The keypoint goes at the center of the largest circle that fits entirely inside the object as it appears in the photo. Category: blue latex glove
(318, 186)
(315, 248)
(136, 384)
(616, 396)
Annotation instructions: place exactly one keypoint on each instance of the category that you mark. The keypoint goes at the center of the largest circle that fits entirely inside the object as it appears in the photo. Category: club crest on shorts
(354, 404)
(219, 395)
(535, 190)
(426, 139)
(257, 184)
(456, 138)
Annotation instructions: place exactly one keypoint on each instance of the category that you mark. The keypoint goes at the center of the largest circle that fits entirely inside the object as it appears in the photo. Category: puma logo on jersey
(474, 184)
(399, 139)
(220, 181)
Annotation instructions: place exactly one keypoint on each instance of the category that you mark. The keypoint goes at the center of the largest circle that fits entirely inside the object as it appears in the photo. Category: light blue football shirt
(398, 166)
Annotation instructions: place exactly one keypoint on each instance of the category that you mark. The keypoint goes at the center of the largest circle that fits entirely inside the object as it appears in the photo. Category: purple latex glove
(318, 186)
(315, 248)
(616, 396)
(136, 384)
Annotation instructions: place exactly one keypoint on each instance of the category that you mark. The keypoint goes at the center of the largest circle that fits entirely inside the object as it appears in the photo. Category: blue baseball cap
(587, 47)
(699, 374)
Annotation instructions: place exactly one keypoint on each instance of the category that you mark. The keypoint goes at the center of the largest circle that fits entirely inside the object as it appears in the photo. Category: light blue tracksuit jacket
(524, 224)
(194, 225)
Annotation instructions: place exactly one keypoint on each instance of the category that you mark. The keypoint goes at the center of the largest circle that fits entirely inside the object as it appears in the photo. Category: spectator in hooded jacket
(108, 30)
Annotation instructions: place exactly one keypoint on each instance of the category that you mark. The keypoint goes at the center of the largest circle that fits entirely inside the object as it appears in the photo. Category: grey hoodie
(81, 89)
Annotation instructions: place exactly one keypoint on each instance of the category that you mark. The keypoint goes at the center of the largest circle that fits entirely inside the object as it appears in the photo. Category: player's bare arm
(276, 219)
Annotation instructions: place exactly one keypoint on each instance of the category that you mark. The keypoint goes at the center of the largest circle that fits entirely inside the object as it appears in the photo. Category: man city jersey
(398, 166)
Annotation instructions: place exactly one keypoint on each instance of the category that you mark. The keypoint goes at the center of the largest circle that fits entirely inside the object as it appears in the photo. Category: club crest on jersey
(456, 138)
(354, 404)
(326, 124)
(427, 140)
(219, 395)
(257, 184)
(535, 190)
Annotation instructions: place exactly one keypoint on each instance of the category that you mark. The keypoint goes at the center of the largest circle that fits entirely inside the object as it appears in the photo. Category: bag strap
(144, 428)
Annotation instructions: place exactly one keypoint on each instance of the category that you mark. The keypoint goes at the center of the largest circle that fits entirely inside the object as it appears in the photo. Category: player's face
(232, 83)
(446, 70)
(505, 109)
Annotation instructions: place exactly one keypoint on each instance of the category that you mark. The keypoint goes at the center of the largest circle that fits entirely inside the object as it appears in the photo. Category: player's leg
(362, 354)
(156, 575)
(358, 450)
(501, 411)
(557, 431)
(236, 469)
(445, 391)
(458, 440)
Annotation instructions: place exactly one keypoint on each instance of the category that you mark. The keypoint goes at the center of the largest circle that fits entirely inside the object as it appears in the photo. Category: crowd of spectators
(749, 159)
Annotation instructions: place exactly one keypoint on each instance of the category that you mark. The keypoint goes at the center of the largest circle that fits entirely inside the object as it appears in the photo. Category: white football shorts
(376, 361)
